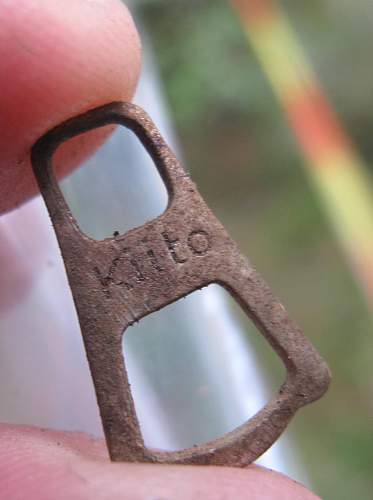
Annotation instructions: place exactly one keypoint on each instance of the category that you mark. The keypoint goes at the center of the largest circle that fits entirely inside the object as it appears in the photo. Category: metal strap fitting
(119, 280)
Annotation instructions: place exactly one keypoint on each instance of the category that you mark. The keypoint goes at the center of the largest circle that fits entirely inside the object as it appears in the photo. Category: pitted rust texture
(119, 280)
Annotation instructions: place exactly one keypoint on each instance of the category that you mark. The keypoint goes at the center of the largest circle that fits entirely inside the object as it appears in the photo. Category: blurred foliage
(243, 157)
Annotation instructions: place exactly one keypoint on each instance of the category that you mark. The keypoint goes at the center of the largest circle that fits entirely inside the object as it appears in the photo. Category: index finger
(58, 58)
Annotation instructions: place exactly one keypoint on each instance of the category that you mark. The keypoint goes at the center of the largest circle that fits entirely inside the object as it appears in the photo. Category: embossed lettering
(199, 242)
(109, 278)
(174, 247)
(151, 257)
(153, 261)
(136, 267)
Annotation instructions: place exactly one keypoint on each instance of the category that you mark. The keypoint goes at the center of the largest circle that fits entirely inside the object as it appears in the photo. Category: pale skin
(51, 68)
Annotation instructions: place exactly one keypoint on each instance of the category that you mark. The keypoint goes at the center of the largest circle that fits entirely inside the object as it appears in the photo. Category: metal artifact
(117, 281)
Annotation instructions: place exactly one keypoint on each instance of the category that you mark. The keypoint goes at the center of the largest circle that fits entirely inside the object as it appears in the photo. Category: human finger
(41, 464)
(58, 58)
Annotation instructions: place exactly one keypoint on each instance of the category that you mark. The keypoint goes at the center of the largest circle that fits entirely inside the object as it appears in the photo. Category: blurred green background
(241, 153)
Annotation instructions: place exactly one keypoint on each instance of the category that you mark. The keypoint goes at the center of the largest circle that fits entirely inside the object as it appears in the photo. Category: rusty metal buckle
(119, 280)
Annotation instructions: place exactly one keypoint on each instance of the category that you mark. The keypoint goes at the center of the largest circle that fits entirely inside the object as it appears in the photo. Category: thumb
(43, 465)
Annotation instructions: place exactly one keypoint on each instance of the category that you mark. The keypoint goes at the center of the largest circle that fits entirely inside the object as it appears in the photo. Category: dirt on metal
(117, 281)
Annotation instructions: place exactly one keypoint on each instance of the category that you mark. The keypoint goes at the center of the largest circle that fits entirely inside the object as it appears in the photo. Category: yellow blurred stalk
(338, 174)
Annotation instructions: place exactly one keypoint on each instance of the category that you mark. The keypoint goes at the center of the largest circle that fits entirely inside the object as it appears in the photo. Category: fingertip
(49, 464)
(57, 59)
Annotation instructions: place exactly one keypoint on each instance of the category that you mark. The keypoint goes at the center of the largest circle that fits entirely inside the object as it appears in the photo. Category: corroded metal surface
(119, 280)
